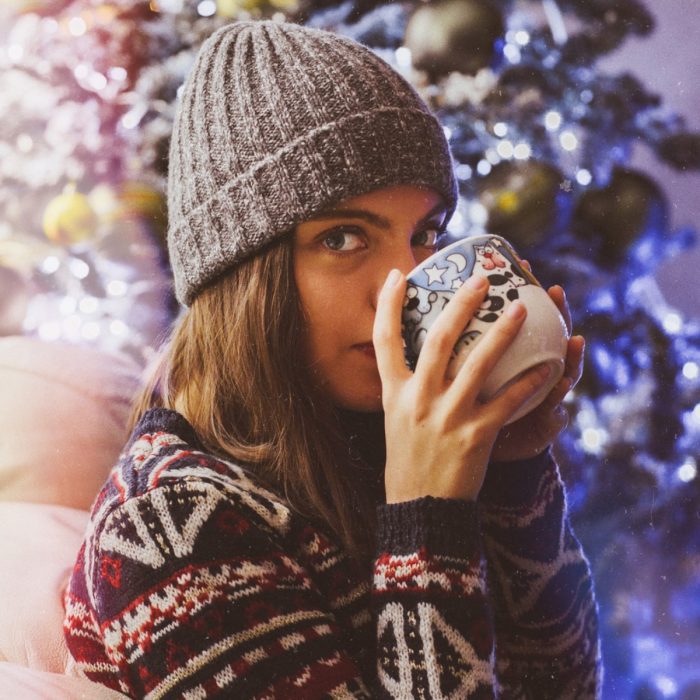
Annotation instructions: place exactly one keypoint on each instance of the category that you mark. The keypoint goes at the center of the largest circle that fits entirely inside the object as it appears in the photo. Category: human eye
(343, 240)
(429, 237)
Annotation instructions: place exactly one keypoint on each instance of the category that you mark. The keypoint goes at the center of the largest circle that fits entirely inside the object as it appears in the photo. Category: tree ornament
(233, 9)
(453, 35)
(681, 150)
(141, 202)
(521, 198)
(616, 215)
(69, 218)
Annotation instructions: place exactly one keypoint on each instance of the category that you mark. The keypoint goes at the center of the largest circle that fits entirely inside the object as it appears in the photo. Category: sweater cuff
(440, 525)
(515, 483)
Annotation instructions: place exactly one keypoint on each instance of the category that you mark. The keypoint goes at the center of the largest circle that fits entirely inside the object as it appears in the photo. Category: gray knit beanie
(278, 122)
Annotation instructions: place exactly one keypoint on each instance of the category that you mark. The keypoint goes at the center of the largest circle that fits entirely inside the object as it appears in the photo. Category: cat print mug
(542, 338)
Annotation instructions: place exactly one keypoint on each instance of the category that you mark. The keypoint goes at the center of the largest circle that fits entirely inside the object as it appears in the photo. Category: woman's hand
(534, 432)
(439, 436)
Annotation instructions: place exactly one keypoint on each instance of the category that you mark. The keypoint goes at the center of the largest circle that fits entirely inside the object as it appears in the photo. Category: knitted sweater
(195, 582)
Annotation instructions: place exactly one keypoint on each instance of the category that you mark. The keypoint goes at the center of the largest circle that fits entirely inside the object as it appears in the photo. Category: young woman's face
(341, 259)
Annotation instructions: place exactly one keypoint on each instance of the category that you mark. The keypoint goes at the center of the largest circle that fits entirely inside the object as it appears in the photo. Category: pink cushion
(20, 683)
(63, 412)
(38, 548)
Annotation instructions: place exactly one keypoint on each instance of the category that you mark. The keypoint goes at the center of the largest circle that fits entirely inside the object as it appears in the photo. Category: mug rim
(419, 267)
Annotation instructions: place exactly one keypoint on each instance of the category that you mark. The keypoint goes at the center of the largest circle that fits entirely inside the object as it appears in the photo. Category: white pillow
(18, 683)
(63, 412)
(38, 548)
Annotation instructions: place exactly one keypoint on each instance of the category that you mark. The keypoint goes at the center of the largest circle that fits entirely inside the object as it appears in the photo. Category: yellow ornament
(105, 202)
(69, 218)
(140, 199)
(285, 5)
(141, 204)
(232, 8)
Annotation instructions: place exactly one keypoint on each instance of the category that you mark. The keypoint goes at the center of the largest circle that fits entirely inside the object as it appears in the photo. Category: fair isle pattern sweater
(195, 582)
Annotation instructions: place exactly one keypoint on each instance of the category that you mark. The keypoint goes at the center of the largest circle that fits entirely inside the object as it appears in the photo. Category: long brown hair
(234, 367)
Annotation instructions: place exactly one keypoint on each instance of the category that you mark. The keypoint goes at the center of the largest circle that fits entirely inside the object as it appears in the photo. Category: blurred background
(667, 62)
(575, 131)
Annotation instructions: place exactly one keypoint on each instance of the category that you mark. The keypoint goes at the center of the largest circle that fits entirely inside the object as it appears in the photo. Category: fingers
(558, 393)
(558, 296)
(507, 403)
(483, 358)
(551, 410)
(573, 365)
(550, 417)
(572, 373)
(443, 335)
(536, 430)
(386, 334)
(549, 423)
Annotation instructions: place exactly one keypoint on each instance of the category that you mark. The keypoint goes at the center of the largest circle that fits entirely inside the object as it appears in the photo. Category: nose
(402, 258)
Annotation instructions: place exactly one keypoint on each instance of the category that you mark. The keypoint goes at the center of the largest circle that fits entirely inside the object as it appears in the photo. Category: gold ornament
(69, 218)
(521, 200)
(285, 5)
(138, 200)
(234, 8)
(105, 202)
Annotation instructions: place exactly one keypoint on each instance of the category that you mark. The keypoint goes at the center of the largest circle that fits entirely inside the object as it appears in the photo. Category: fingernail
(516, 310)
(475, 282)
(393, 278)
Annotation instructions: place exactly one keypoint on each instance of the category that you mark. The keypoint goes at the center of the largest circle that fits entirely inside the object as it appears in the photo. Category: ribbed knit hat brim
(278, 122)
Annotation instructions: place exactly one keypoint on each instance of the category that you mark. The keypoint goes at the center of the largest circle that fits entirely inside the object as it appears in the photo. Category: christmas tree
(541, 139)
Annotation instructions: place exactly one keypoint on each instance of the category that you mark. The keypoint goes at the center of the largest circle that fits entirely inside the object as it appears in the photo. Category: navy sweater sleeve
(540, 584)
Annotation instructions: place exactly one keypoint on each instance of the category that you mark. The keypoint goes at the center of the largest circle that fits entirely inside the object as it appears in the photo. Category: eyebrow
(369, 216)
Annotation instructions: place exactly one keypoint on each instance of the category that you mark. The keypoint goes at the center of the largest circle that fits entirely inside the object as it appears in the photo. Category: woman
(296, 514)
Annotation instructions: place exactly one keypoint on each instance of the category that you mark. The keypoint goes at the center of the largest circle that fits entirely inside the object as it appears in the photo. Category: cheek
(324, 310)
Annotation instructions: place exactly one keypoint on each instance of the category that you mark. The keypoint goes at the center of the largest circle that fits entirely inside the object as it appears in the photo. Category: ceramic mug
(542, 339)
